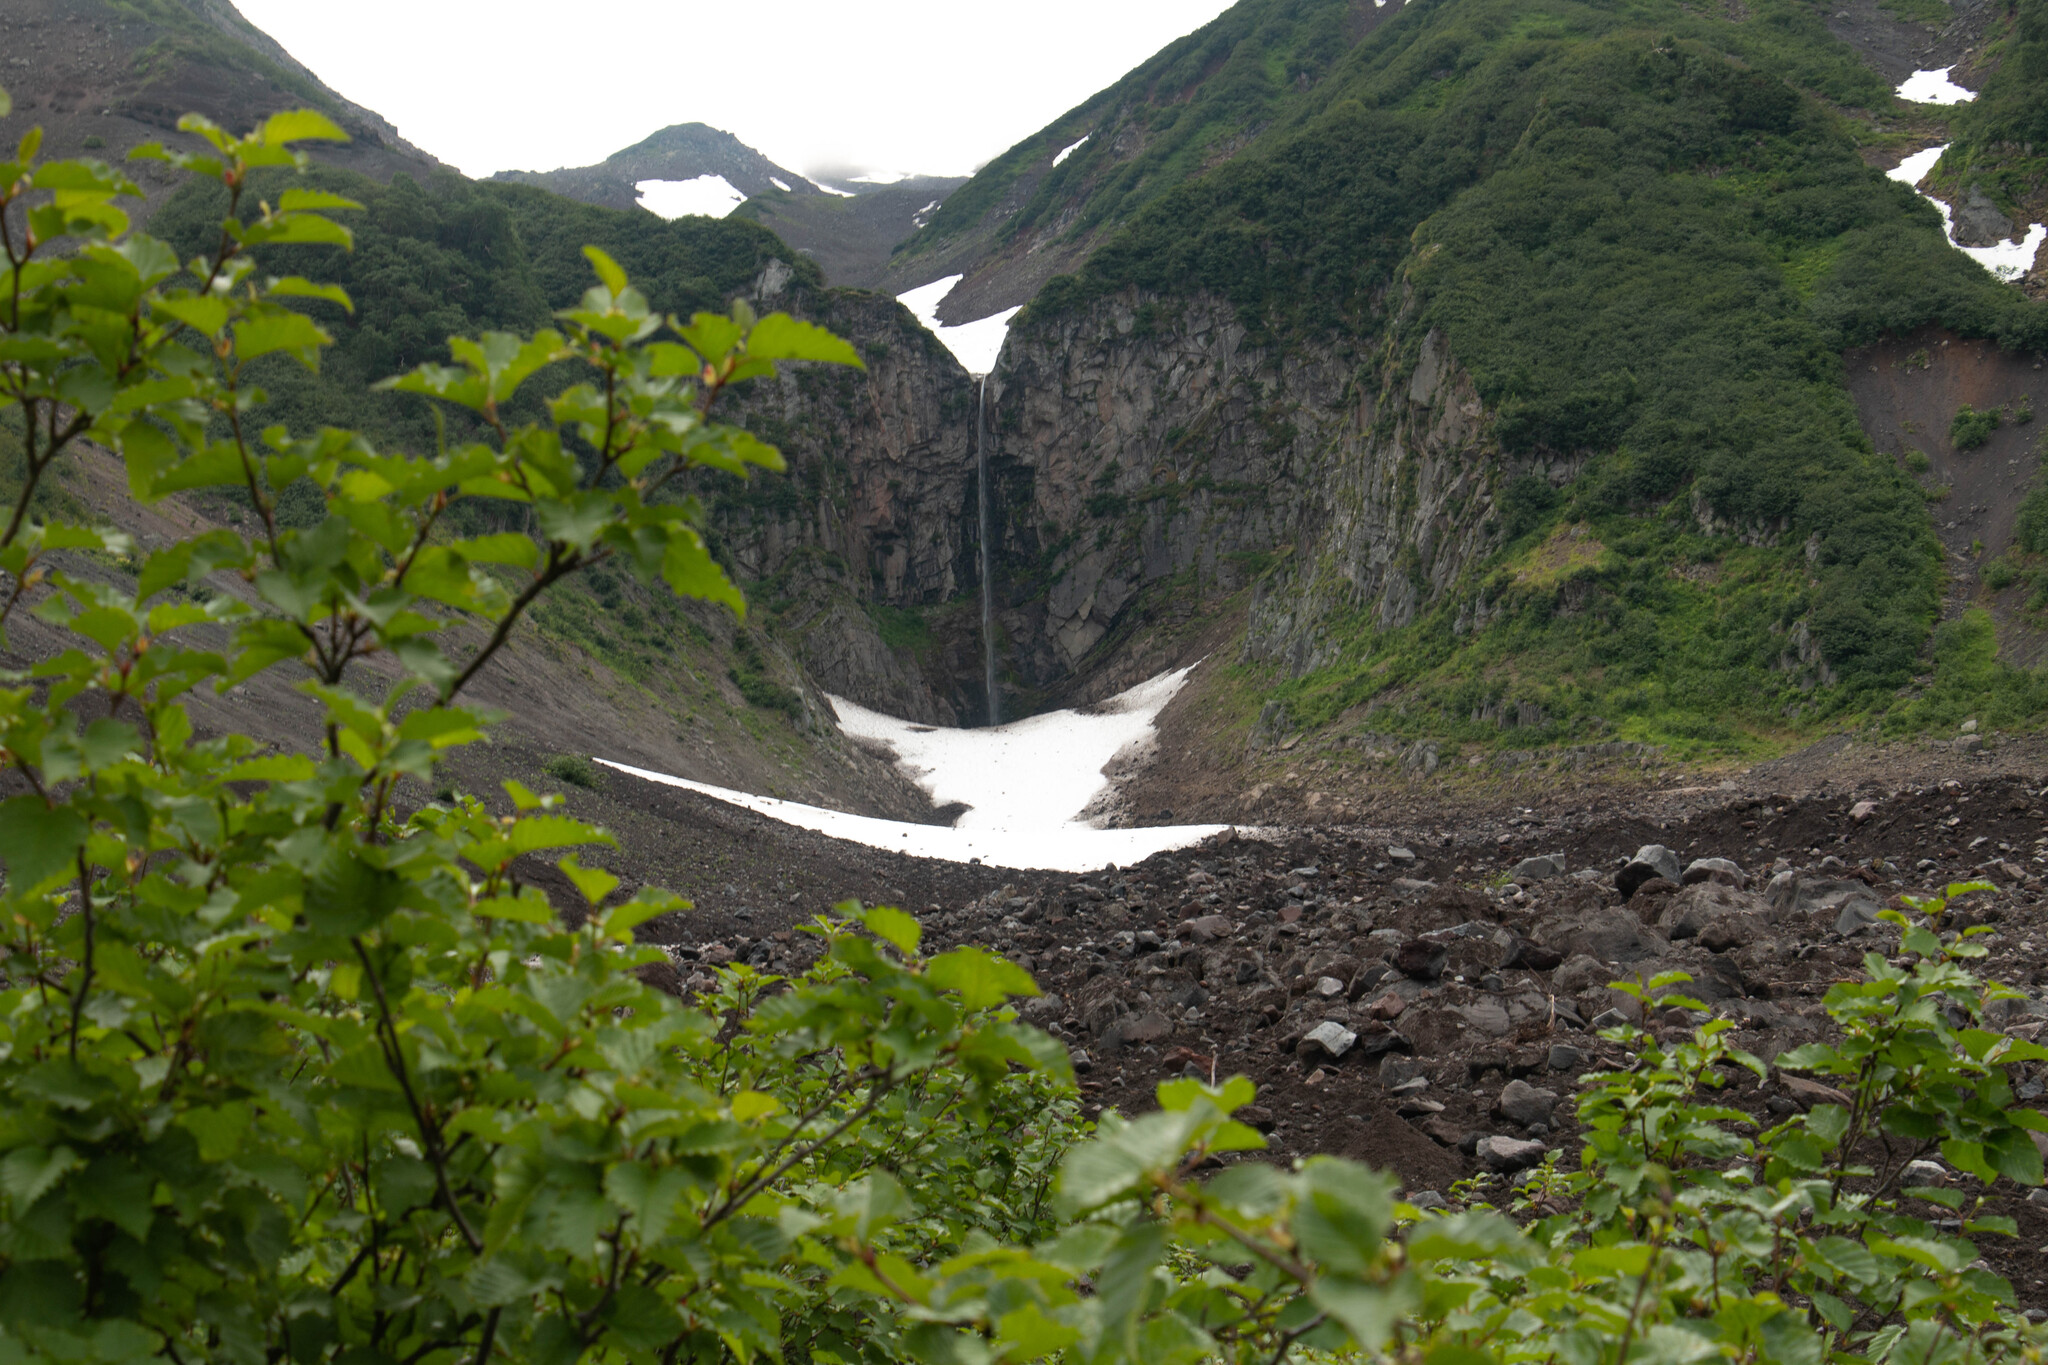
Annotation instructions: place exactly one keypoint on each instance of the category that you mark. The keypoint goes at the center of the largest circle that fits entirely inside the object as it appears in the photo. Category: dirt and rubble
(1424, 998)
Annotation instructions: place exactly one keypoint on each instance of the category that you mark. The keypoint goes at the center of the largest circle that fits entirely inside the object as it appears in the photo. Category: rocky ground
(1424, 997)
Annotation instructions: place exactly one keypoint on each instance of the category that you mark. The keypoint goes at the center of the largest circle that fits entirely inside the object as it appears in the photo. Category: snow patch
(843, 194)
(1934, 87)
(776, 181)
(881, 177)
(1026, 786)
(1071, 149)
(974, 344)
(2007, 260)
(711, 196)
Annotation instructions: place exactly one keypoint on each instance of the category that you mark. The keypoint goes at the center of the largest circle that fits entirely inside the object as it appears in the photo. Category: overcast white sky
(932, 86)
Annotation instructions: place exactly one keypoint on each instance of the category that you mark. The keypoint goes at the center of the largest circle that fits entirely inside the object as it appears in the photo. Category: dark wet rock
(1420, 959)
(1651, 860)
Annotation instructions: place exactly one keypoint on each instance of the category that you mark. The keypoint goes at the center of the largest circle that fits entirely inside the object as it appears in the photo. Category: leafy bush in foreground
(294, 1068)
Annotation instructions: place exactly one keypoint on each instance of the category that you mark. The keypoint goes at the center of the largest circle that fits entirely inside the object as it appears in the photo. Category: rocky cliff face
(1152, 444)
(1147, 455)
(875, 515)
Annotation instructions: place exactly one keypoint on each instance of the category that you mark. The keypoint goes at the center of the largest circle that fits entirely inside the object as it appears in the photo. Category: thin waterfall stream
(988, 611)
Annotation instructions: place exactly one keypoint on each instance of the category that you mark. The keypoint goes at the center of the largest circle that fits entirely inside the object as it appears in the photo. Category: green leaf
(893, 927)
(39, 844)
(607, 269)
(782, 337)
(1367, 1310)
(621, 920)
(293, 333)
(296, 198)
(593, 882)
(28, 1173)
(980, 978)
(300, 125)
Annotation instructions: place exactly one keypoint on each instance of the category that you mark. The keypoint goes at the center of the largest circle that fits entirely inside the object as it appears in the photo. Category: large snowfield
(711, 196)
(2008, 259)
(974, 344)
(1025, 784)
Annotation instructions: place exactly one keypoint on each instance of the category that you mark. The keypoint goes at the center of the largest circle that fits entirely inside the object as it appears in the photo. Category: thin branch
(85, 969)
(394, 1057)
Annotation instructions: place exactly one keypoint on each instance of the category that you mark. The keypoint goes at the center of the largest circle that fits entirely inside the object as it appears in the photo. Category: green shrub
(2001, 573)
(902, 630)
(1972, 428)
(1918, 462)
(574, 769)
(288, 1074)
(2030, 526)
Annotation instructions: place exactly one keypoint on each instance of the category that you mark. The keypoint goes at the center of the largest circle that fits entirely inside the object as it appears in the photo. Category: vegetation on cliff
(1647, 232)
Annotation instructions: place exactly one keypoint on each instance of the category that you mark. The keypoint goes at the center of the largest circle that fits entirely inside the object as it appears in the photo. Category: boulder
(1149, 1027)
(1507, 1155)
(1651, 860)
(1207, 929)
(1713, 870)
(1328, 1039)
(1399, 1070)
(1581, 973)
(1530, 955)
(1782, 894)
(1728, 932)
(1409, 886)
(1862, 811)
(1523, 1103)
(1855, 916)
(1420, 959)
(1404, 856)
(1610, 934)
(1564, 1057)
(1700, 904)
(1537, 869)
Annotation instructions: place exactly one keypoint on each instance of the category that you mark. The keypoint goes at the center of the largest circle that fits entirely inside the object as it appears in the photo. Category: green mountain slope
(1647, 232)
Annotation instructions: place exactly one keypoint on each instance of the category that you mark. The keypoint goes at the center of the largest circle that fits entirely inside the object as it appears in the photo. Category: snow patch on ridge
(1934, 87)
(1071, 149)
(2007, 260)
(974, 344)
(1026, 785)
(712, 196)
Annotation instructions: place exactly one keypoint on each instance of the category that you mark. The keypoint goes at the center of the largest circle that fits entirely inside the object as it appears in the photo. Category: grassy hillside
(1648, 231)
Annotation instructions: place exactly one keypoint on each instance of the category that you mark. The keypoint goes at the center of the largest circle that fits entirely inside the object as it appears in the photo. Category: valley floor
(1469, 1000)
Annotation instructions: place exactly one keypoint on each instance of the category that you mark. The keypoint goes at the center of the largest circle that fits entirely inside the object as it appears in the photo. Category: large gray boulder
(1609, 933)
(1700, 904)
(1537, 869)
(1507, 1155)
(1713, 870)
(1651, 860)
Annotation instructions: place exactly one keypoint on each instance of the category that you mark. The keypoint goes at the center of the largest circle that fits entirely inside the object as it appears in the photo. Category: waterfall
(988, 610)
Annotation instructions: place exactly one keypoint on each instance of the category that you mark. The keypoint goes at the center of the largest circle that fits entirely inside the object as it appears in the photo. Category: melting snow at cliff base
(1026, 786)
